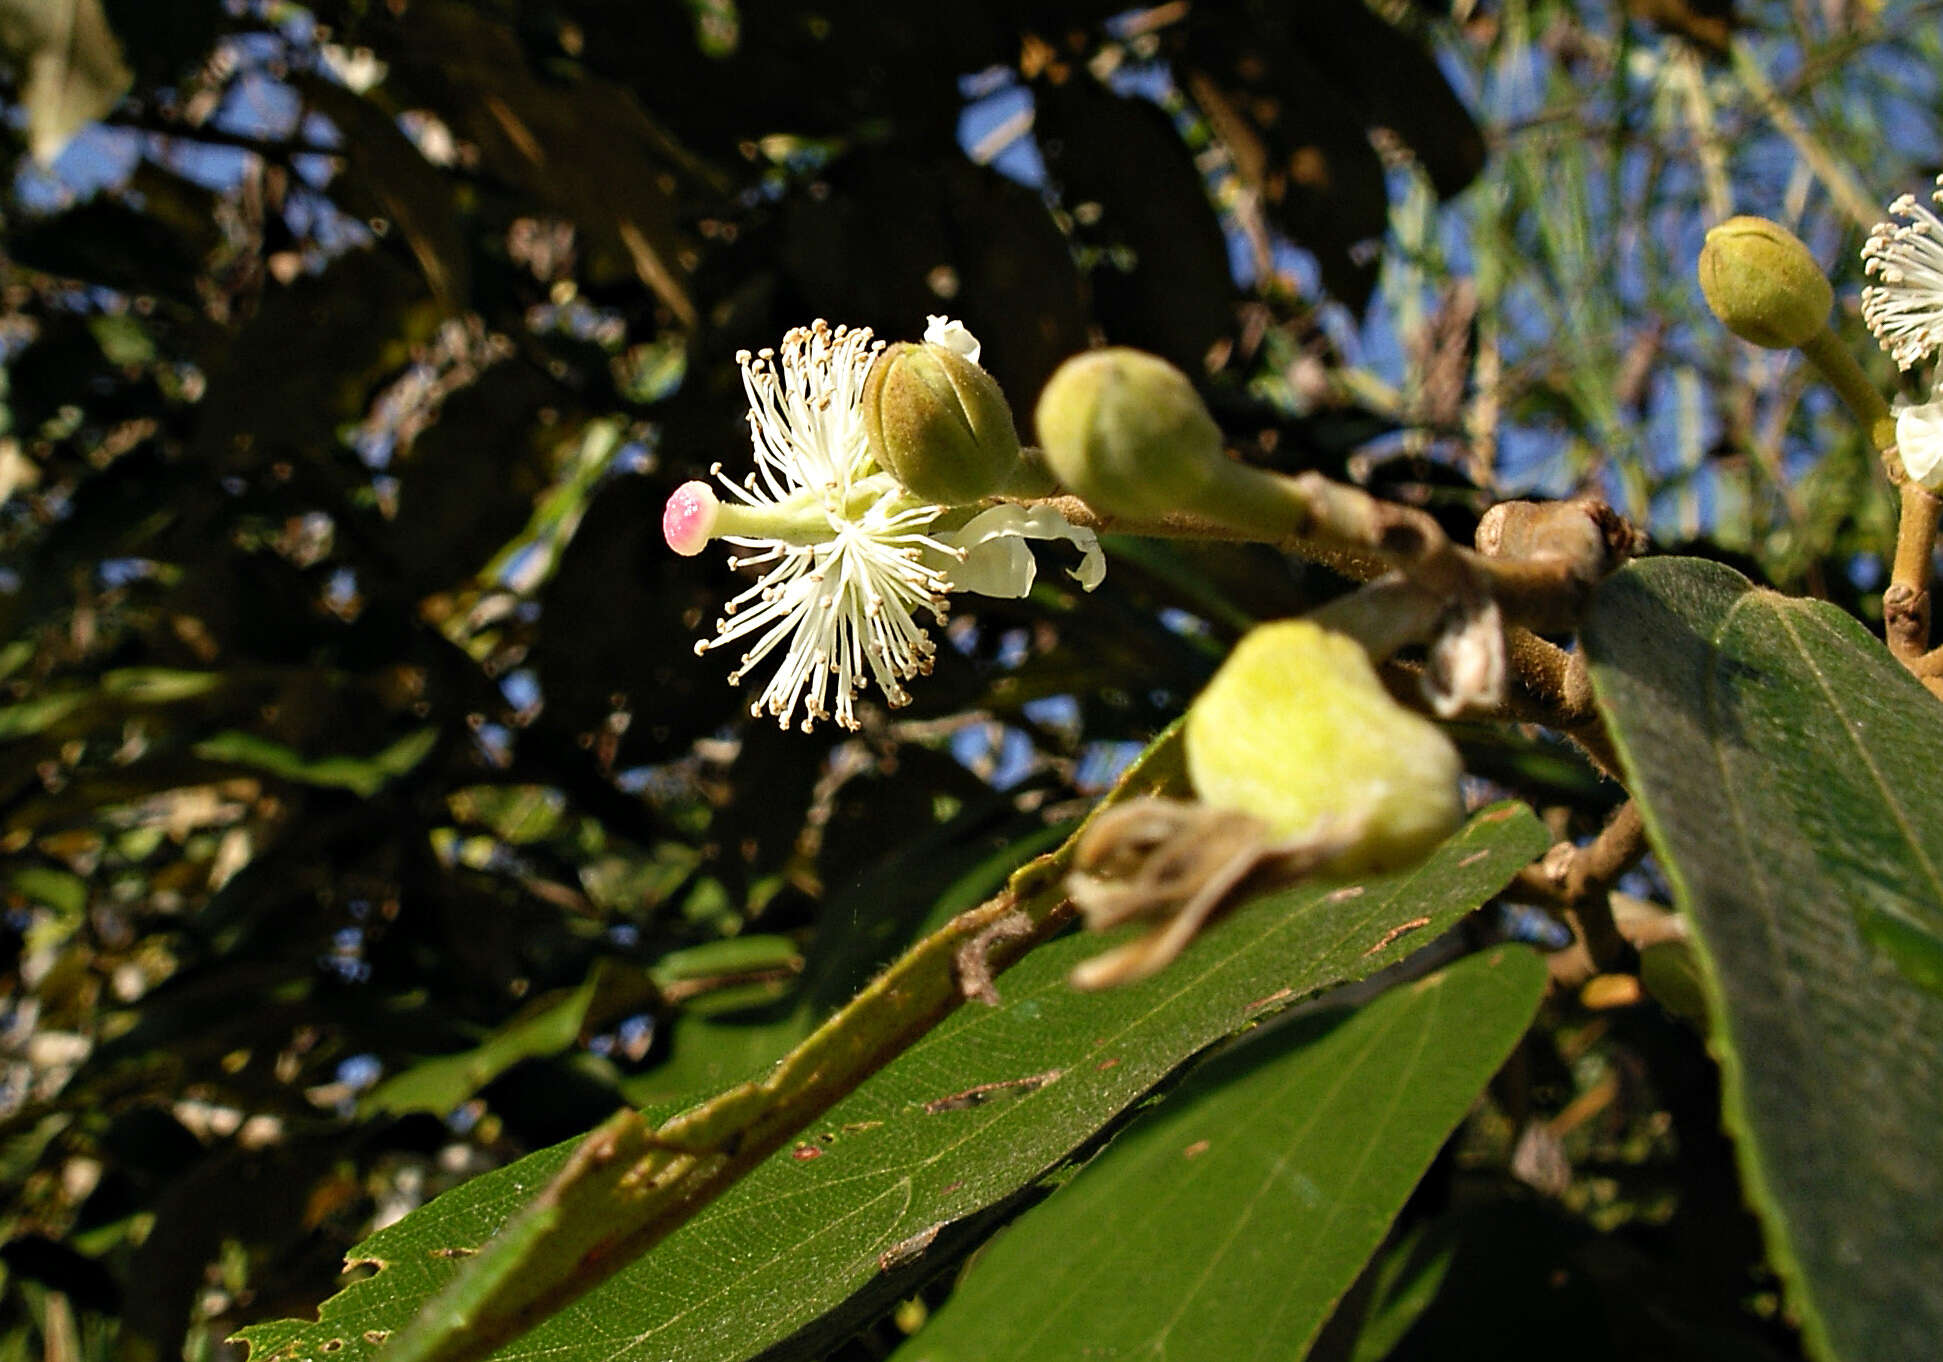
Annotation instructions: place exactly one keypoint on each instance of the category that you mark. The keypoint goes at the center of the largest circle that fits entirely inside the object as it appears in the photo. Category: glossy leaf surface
(958, 1122)
(1791, 775)
(1230, 1220)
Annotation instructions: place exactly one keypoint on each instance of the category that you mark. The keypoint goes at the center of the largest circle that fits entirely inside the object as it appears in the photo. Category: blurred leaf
(22, 1148)
(626, 596)
(1791, 776)
(469, 482)
(632, 883)
(957, 1122)
(1673, 976)
(119, 690)
(1298, 141)
(123, 339)
(158, 252)
(898, 224)
(66, 894)
(362, 776)
(518, 814)
(546, 1026)
(161, 40)
(733, 955)
(1163, 283)
(33, 716)
(1402, 1283)
(159, 685)
(533, 556)
(67, 68)
(14, 656)
(932, 874)
(386, 177)
(532, 133)
(305, 363)
(801, 74)
(1276, 1170)
(1393, 79)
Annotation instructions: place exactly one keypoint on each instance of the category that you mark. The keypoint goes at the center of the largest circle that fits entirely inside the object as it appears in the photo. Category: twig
(280, 151)
(1906, 602)
(1537, 560)
(1542, 584)
(1579, 880)
(1552, 675)
(1643, 924)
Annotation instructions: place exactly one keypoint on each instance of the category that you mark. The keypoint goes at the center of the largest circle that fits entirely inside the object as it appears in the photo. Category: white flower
(850, 558)
(1904, 307)
(1919, 438)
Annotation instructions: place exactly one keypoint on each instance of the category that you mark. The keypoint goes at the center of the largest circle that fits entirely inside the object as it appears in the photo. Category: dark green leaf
(1165, 285)
(1402, 1283)
(1230, 1221)
(1791, 777)
(960, 1120)
(439, 1085)
(363, 776)
(66, 894)
(733, 955)
(386, 178)
(933, 875)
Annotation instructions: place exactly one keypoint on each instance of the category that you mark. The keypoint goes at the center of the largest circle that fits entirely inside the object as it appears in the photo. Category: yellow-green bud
(1296, 730)
(1126, 431)
(939, 424)
(1763, 284)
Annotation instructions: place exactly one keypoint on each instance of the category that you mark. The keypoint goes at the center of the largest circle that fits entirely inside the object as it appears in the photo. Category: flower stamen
(1904, 307)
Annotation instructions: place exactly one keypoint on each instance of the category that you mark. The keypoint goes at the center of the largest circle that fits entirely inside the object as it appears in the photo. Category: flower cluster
(1904, 308)
(850, 559)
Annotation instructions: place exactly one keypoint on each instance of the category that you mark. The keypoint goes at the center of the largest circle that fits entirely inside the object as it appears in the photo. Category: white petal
(997, 562)
(1919, 438)
(952, 336)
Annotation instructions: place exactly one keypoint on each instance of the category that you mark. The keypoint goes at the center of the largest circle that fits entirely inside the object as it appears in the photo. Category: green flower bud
(939, 424)
(1126, 431)
(1763, 284)
(1296, 730)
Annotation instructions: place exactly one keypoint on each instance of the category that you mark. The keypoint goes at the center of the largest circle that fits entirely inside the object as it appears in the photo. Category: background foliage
(369, 821)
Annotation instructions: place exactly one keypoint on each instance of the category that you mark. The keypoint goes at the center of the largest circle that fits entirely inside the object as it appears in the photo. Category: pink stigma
(688, 518)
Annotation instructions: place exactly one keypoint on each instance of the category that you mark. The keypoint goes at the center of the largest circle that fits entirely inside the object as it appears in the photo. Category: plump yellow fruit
(1296, 730)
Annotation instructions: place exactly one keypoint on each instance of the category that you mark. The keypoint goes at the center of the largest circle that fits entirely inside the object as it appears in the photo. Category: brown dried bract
(1181, 864)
